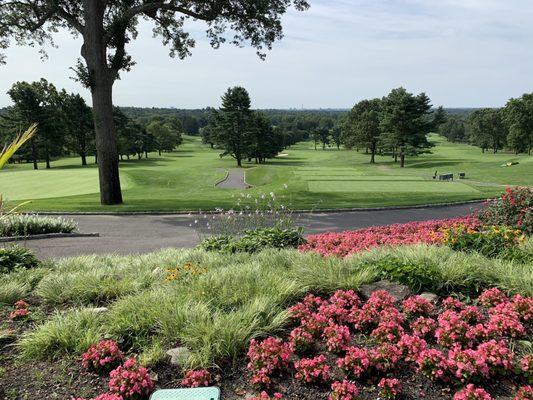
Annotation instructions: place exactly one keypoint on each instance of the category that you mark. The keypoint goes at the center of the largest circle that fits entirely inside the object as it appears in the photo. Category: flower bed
(353, 347)
(350, 242)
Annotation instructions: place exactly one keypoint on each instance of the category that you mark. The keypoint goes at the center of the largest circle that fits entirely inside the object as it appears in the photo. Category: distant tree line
(65, 126)
(495, 129)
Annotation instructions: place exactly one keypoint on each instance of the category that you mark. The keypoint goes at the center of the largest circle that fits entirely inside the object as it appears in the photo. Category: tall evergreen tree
(406, 121)
(233, 124)
(79, 125)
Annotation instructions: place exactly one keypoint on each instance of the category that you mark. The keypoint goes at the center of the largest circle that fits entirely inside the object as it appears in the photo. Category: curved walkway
(130, 234)
(234, 180)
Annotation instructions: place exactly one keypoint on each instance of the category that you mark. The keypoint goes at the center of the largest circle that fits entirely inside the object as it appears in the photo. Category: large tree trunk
(83, 159)
(402, 160)
(106, 143)
(34, 154)
(101, 80)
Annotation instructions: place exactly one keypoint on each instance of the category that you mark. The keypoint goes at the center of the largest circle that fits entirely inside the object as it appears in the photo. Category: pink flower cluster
(312, 369)
(130, 380)
(389, 388)
(103, 355)
(21, 310)
(267, 357)
(265, 396)
(472, 393)
(345, 390)
(350, 242)
(524, 393)
(343, 337)
(197, 378)
(104, 396)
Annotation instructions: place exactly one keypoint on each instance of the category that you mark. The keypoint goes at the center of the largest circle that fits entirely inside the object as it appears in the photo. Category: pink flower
(492, 297)
(266, 357)
(524, 393)
(389, 388)
(417, 306)
(130, 380)
(197, 378)
(344, 390)
(312, 369)
(472, 393)
(102, 355)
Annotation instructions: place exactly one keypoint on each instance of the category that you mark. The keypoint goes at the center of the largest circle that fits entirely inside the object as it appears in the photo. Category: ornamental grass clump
(31, 224)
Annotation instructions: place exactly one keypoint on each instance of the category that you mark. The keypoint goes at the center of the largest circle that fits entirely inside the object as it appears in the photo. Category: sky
(462, 53)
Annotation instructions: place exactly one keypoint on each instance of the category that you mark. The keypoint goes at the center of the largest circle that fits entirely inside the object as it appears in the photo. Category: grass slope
(185, 180)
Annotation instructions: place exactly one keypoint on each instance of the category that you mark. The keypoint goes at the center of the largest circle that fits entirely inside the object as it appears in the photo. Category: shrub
(312, 369)
(197, 378)
(513, 209)
(389, 388)
(130, 380)
(255, 240)
(472, 393)
(344, 390)
(15, 257)
(104, 355)
(350, 242)
(495, 241)
(266, 357)
(29, 224)
(21, 310)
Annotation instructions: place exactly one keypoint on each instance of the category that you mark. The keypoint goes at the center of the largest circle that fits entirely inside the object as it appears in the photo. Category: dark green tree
(79, 125)
(107, 26)
(233, 131)
(363, 128)
(167, 138)
(39, 102)
(406, 121)
(518, 114)
(265, 141)
(487, 129)
(454, 129)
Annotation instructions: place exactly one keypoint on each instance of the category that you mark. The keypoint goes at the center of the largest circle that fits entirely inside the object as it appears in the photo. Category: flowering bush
(472, 393)
(524, 393)
(514, 209)
(490, 241)
(21, 310)
(197, 378)
(389, 388)
(312, 369)
(266, 357)
(456, 344)
(417, 306)
(350, 242)
(130, 380)
(344, 390)
(102, 356)
(104, 396)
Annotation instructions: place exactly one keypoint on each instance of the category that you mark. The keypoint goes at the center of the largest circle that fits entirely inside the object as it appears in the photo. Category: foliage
(487, 129)
(21, 310)
(492, 241)
(197, 378)
(362, 128)
(478, 347)
(255, 240)
(15, 257)
(513, 209)
(30, 224)
(518, 114)
(240, 297)
(130, 380)
(8, 150)
(104, 355)
(350, 242)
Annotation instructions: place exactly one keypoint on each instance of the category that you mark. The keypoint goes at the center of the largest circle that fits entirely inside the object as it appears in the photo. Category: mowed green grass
(304, 179)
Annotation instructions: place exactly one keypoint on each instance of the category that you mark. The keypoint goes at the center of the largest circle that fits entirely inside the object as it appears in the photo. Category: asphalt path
(133, 234)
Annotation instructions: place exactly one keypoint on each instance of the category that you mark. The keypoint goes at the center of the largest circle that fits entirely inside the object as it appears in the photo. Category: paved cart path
(234, 180)
(129, 234)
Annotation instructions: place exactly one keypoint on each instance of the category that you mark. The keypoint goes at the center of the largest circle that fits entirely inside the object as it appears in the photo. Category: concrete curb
(313, 211)
(46, 236)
